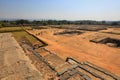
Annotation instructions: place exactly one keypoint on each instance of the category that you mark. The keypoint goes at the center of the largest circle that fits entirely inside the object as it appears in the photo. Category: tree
(45, 23)
(114, 23)
(0, 24)
(103, 22)
(21, 22)
(5, 23)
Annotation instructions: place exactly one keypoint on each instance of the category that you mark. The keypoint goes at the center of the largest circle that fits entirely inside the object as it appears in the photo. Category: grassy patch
(24, 36)
(21, 35)
(13, 29)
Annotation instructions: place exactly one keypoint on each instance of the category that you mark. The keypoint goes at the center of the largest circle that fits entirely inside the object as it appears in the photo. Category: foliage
(23, 22)
(13, 29)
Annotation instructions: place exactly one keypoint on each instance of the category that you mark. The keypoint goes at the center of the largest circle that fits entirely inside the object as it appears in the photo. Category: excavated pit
(107, 41)
(68, 33)
(111, 42)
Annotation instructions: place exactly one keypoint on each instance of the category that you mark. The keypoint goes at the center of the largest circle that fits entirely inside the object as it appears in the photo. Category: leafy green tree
(114, 23)
(45, 23)
(0, 24)
(103, 22)
(21, 22)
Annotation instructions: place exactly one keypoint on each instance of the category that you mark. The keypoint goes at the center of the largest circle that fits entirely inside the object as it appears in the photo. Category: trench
(116, 42)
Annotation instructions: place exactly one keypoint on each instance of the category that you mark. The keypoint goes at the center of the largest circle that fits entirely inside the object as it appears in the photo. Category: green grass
(24, 36)
(13, 29)
(21, 35)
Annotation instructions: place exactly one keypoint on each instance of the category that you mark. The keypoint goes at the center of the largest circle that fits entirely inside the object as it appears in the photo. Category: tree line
(22, 22)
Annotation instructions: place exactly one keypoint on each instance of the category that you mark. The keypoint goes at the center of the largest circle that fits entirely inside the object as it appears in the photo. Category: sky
(60, 9)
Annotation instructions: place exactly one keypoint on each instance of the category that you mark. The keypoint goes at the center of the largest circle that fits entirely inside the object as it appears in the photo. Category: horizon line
(12, 19)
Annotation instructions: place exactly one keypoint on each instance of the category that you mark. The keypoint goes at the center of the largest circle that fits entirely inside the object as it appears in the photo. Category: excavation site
(108, 41)
(59, 39)
(55, 53)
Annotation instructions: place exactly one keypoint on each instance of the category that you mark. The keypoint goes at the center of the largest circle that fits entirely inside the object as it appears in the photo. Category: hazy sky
(60, 9)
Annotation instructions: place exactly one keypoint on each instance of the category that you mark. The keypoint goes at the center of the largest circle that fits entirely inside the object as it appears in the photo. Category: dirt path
(14, 64)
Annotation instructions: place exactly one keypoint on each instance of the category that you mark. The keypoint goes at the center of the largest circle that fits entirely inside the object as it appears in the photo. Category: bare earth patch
(14, 65)
(80, 48)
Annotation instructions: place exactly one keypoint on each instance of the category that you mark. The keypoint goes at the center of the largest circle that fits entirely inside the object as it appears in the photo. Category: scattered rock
(111, 44)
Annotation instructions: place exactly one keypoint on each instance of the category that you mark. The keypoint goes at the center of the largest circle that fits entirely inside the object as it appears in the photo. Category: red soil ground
(79, 47)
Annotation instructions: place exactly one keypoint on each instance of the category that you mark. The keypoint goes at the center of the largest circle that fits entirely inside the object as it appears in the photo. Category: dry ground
(14, 65)
(79, 47)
